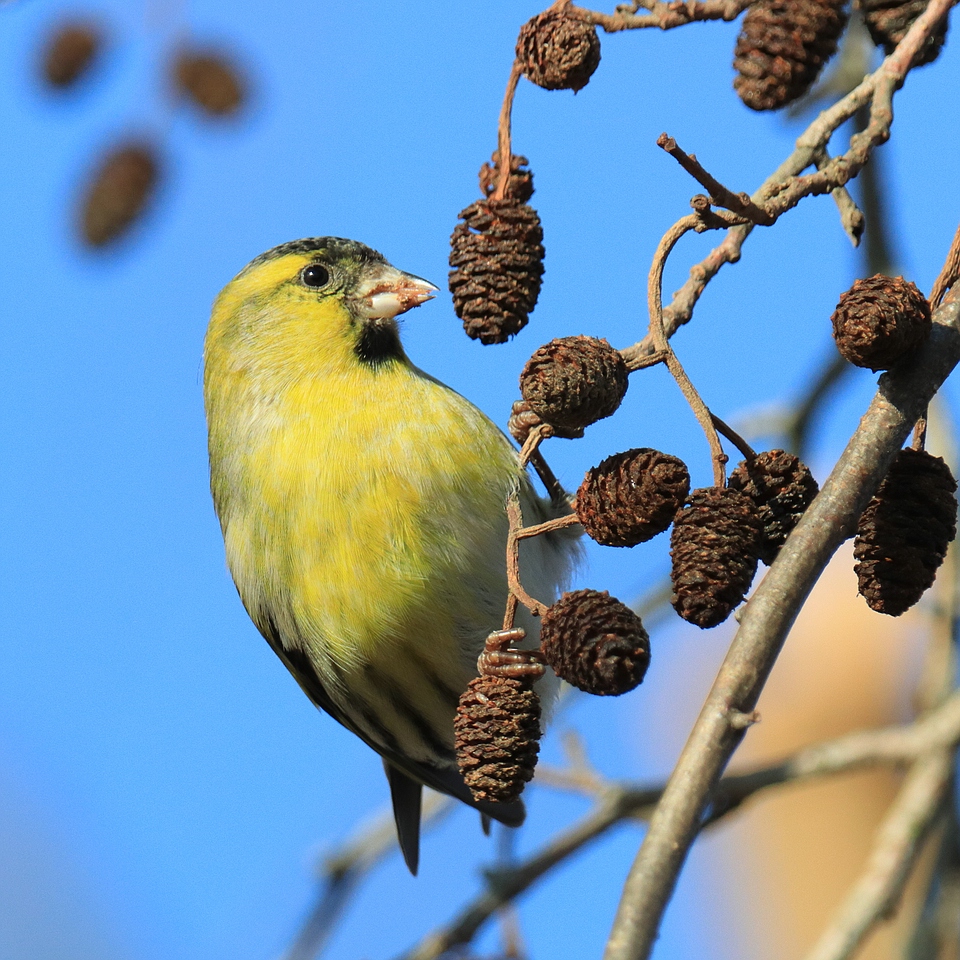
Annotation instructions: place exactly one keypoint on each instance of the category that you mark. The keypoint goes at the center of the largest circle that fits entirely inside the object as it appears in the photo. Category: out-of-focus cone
(70, 52)
(211, 81)
(119, 192)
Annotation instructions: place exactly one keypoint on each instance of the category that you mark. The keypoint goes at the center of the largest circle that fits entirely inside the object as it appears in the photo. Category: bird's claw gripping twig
(499, 660)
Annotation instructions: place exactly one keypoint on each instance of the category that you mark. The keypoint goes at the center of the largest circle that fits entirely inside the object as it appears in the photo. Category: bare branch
(851, 216)
(899, 841)
(720, 195)
(949, 274)
(665, 16)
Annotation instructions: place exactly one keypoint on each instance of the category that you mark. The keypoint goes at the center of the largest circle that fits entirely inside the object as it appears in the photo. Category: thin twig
(663, 348)
(663, 15)
(949, 274)
(721, 196)
(902, 396)
(851, 216)
(899, 841)
(734, 437)
(548, 526)
(504, 147)
(548, 478)
(517, 593)
(342, 870)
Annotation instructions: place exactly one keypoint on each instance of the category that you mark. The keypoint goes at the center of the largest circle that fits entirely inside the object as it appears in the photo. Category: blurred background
(165, 788)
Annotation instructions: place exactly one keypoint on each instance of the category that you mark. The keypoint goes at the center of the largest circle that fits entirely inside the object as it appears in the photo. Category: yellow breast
(363, 506)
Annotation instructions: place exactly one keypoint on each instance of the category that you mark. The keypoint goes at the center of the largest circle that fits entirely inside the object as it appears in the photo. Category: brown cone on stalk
(889, 20)
(714, 546)
(572, 382)
(210, 80)
(880, 320)
(497, 733)
(782, 47)
(781, 488)
(119, 193)
(558, 52)
(631, 497)
(594, 642)
(496, 253)
(70, 52)
(904, 532)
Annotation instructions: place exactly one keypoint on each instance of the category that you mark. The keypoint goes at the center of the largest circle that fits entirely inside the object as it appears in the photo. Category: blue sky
(164, 786)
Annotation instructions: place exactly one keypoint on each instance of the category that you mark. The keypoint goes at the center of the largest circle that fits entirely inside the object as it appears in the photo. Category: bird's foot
(499, 660)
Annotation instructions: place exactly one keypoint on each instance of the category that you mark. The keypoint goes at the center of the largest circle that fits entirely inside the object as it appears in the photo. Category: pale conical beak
(390, 292)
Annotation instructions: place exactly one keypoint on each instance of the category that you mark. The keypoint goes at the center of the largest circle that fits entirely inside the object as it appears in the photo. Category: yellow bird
(362, 507)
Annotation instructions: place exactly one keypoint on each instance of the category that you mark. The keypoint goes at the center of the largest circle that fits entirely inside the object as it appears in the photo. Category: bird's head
(317, 302)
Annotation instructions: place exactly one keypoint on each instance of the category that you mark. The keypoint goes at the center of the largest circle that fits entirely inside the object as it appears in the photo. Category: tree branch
(938, 730)
(899, 841)
(785, 187)
(665, 16)
(902, 396)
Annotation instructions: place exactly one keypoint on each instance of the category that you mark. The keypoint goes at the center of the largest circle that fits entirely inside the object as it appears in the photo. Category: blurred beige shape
(796, 850)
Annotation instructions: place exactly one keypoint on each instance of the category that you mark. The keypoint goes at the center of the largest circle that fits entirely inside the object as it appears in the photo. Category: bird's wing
(442, 779)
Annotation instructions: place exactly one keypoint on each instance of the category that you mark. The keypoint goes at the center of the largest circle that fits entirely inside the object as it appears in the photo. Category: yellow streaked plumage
(362, 505)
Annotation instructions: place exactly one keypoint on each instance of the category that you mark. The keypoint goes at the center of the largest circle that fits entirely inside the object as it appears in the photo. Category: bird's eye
(315, 275)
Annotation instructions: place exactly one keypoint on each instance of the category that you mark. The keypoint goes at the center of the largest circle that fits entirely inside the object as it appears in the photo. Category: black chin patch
(378, 343)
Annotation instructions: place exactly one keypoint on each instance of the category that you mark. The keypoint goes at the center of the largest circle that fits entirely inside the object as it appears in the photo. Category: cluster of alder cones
(784, 44)
(903, 534)
(497, 252)
(599, 645)
(125, 180)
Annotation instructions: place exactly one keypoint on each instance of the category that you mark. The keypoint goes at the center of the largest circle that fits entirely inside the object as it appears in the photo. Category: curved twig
(504, 146)
(899, 842)
(662, 344)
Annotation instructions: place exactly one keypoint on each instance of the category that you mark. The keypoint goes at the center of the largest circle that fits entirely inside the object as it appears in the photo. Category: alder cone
(631, 497)
(210, 81)
(121, 189)
(558, 52)
(781, 488)
(520, 185)
(594, 642)
(714, 547)
(903, 534)
(497, 732)
(572, 382)
(888, 22)
(70, 52)
(782, 47)
(879, 320)
(496, 253)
